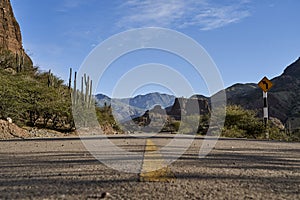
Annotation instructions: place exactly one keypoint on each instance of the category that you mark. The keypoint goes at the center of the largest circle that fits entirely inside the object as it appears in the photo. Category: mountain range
(283, 99)
(136, 106)
(284, 102)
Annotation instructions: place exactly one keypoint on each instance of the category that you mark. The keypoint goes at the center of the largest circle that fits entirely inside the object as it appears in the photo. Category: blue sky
(247, 39)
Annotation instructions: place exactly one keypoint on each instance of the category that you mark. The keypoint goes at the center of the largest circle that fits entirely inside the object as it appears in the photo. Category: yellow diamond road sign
(265, 84)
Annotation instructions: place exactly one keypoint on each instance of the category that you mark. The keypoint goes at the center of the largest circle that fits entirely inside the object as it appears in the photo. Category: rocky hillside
(10, 34)
(27, 96)
(283, 98)
(191, 106)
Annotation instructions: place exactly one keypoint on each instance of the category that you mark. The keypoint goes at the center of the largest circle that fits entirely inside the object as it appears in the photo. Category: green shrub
(294, 136)
(240, 122)
(105, 117)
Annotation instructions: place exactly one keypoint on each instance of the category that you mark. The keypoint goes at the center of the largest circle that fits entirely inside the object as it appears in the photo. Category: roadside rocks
(9, 130)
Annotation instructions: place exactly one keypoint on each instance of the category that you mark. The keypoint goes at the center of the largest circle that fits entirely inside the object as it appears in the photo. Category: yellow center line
(154, 169)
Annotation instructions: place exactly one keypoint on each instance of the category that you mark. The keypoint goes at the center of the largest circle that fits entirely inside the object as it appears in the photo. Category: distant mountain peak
(293, 69)
(143, 101)
(198, 96)
(284, 102)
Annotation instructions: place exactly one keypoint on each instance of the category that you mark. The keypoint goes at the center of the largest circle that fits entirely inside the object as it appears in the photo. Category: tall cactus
(82, 101)
(74, 97)
(90, 94)
(87, 90)
(81, 92)
(85, 93)
(70, 79)
(49, 82)
(19, 62)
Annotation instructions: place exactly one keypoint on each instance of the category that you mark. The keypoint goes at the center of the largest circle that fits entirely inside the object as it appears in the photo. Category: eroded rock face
(191, 106)
(10, 34)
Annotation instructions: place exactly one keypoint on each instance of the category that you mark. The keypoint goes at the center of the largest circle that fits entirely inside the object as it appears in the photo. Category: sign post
(265, 84)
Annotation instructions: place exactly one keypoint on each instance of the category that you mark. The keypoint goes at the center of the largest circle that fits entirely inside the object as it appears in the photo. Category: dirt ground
(12, 131)
(62, 168)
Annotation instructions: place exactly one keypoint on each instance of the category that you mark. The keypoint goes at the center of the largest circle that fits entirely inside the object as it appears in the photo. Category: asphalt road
(64, 169)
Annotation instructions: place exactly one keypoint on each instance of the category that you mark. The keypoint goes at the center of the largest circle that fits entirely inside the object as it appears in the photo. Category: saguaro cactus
(82, 101)
(74, 96)
(70, 79)
(19, 62)
(50, 79)
(88, 91)
(85, 93)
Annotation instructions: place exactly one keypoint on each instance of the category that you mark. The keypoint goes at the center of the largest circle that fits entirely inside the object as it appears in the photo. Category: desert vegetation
(239, 123)
(40, 99)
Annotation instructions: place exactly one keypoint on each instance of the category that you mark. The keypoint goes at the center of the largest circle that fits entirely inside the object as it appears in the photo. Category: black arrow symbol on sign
(265, 83)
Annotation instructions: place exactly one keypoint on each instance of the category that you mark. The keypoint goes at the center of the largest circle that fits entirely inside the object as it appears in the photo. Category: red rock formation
(10, 34)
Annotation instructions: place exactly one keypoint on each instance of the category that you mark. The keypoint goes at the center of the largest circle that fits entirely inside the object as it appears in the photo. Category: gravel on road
(62, 168)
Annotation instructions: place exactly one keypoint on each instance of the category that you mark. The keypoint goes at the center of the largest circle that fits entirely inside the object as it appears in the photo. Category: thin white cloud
(154, 12)
(67, 5)
(72, 3)
(205, 15)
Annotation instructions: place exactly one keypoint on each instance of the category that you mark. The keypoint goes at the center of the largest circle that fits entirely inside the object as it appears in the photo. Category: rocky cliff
(283, 98)
(10, 33)
(188, 106)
